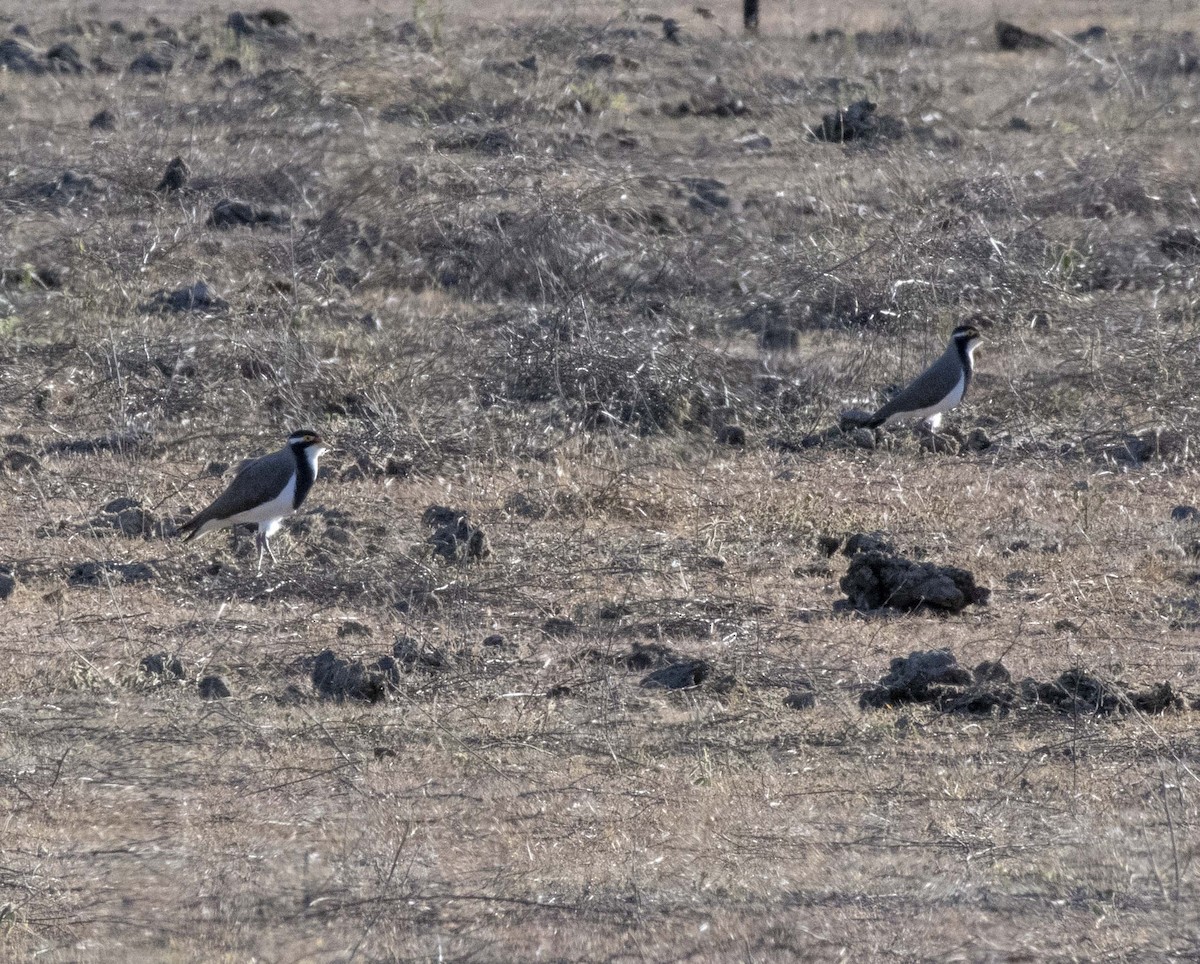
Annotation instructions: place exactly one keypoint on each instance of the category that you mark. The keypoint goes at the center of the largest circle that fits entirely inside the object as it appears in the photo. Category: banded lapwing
(265, 491)
(937, 389)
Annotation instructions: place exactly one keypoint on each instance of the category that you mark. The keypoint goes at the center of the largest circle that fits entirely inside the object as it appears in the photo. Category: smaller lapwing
(265, 491)
(937, 389)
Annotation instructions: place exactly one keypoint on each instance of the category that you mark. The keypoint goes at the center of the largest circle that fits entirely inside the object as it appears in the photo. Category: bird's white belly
(269, 514)
(933, 412)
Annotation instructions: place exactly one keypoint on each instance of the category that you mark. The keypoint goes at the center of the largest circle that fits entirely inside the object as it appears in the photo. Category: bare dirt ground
(606, 294)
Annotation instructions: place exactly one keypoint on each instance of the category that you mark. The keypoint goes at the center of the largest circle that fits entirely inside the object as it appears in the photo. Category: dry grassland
(557, 293)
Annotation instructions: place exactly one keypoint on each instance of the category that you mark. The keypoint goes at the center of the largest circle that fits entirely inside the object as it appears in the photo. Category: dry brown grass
(567, 315)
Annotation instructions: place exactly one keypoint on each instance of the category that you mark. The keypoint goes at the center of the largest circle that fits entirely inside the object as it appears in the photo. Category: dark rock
(126, 442)
(239, 24)
(680, 675)
(868, 542)
(593, 62)
(644, 656)
(228, 213)
(493, 141)
(1159, 699)
(15, 461)
(62, 58)
(69, 187)
(877, 579)
(1091, 34)
(195, 297)
(8, 582)
(1178, 242)
(559, 627)
(269, 25)
(529, 63)
(292, 695)
(416, 655)
(978, 441)
(129, 519)
(174, 177)
(800, 700)
(671, 30)
(163, 665)
(103, 573)
(1075, 691)
(454, 538)
(212, 688)
(342, 679)
(992, 671)
(857, 122)
(227, 67)
(706, 194)
(733, 435)
(352, 627)
(1184, 513)
(863, 438)
(147, 64)
(710, 100)
(274, 17)
(17, 58)
(1019, 124)
(104, 120)
(828, 545)
(1011, 37)
(918, 678)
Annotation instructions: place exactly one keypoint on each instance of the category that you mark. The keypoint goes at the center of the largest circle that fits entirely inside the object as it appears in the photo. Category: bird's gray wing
(268, 474)
(928, 388)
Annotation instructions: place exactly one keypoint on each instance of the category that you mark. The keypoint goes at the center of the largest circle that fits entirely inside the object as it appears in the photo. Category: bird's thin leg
(267, 543)
(261, 541)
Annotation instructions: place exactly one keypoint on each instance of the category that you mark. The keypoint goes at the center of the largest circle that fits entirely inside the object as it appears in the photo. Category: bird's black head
(306, 438)
(967, 334)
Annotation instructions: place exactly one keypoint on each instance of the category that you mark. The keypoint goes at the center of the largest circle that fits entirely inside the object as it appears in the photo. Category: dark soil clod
(876, 580)
(342, 679)
(165, 666)
(677, 676)
(213, 688)
(856, 123)
(174, 177)
(454, 538)
(194, 297)
(228, 213)
(935, 677)
(1011, 37)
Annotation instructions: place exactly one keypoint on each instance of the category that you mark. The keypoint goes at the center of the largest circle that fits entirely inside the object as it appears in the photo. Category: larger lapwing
(937, 389)
(265, 491)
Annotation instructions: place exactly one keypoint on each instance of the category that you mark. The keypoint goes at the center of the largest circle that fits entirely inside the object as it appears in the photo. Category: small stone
(16, 461)
(212, 688)
(147, 64)
(800, 700)
(174, 177)
(1184, 513)
(64, 59)
(828, 545)
(677, 676)
(733, 435)
(863, 438)
(352, 627)
(104, 120)
(8, 582)
(228, 213)
(559, 627)
(163, 665)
